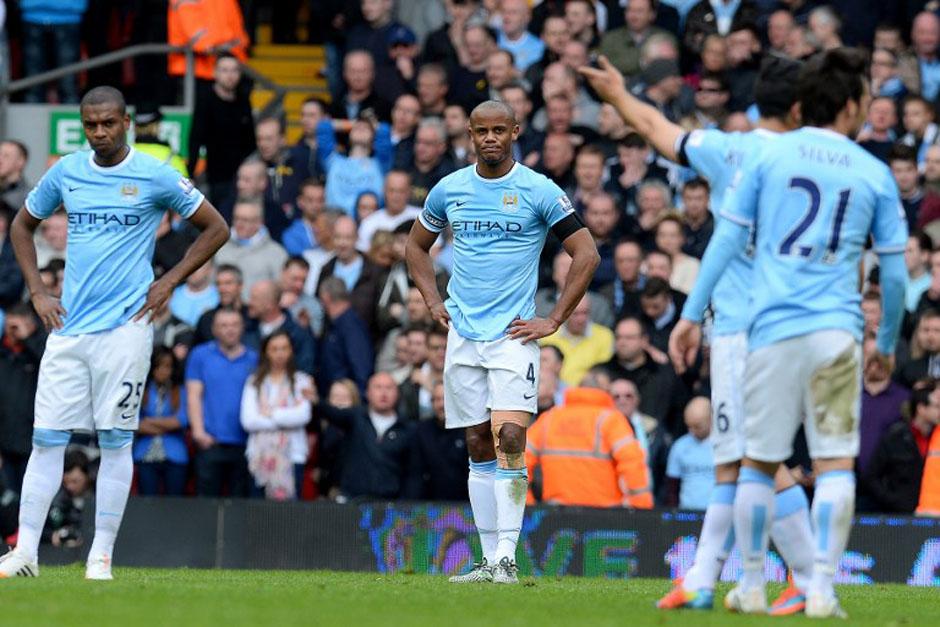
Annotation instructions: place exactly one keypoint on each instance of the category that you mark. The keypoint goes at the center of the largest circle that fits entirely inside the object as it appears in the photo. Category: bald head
(925, 34)
(104, 95)
(493, 129)
(493, 109)
(698, 417)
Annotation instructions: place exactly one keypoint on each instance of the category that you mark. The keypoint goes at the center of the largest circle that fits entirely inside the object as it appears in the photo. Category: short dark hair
(297, 260)
(592, 149)
(656, 287)
(719, 77)
(75, 459)
(24, 151)
(873, 295)
(229, 268)
(888, 26)
(104, 94)
(919, 99)
(902, 152)
(22, 309)
(633, 140)
(775, 90)
(558, 354)
(697, 183)
(828, 82)
(272, 118)
(311, 181)
(335, 288)
(317, 101)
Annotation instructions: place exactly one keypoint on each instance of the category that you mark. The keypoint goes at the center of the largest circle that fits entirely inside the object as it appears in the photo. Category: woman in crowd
(160, 449)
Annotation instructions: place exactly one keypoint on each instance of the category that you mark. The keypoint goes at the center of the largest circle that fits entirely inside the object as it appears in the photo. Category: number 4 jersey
(814, 196)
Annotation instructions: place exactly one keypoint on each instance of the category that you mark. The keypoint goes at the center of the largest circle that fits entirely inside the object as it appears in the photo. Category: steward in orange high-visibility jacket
(588, 454)
(216, 25)
(929, 504)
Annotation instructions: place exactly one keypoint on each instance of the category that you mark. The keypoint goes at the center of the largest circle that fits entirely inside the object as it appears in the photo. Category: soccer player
(93, 372)
(815, 196)
(500, 212)
(715, 155)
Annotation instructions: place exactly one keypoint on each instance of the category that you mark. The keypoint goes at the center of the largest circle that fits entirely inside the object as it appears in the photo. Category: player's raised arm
(421, 269)
(213, 233)
(22, 230)
(652, 125)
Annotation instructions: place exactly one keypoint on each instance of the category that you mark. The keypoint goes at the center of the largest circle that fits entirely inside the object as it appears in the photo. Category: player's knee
(114, 439)
(480, 446)
(48, 438)
(511, 439)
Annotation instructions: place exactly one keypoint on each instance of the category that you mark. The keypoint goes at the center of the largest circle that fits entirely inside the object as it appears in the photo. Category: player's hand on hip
(606, 80)
(530, 330)
(440, 314)
(684, 343)
(50, 310)
(159, 292)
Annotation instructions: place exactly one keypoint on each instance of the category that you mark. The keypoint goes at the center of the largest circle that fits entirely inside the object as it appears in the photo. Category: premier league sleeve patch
(566, 205)
(186, 185)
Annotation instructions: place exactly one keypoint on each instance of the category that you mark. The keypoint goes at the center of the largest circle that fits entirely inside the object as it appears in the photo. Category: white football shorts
(817, 376)
(728, 356)
(94, 381)
(479, 377)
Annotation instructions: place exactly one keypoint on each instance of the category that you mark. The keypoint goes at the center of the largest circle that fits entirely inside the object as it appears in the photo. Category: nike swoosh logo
(528, 397)
(72, 189)
(461, 204)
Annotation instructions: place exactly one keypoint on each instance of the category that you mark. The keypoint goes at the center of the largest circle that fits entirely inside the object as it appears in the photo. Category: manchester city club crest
(129, 190)
(510, 202)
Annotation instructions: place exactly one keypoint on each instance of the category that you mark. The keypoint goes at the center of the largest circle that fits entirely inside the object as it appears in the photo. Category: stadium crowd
(303, 363)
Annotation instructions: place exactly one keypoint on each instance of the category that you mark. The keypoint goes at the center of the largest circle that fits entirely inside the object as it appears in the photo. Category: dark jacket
(301, 340)
(663, 395)
(226, 129)
(345, 353)
(11, 279)
(892, 481)
(438, 463)
(372, 467)
(365, 293)
(19, 374)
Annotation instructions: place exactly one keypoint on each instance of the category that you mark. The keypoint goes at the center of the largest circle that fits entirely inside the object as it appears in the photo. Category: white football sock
(511, 487)
(792, 534)
(833, 507)
(483, 503)
(41, 482)
(753, 513)
(114, 485)
(715, 541)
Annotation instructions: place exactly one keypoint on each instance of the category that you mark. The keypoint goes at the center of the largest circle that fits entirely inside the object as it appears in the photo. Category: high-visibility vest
(217, 22)
(165, 154)
(588, 454)
(929, 504)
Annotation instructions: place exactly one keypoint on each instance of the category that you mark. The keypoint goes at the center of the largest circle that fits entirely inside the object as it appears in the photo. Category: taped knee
(115, 438)
(51, 437)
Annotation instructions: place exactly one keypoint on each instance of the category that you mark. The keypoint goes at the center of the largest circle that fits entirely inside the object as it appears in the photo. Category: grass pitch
(179, 598)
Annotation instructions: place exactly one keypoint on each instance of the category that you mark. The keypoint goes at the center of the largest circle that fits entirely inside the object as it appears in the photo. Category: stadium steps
(297, 68)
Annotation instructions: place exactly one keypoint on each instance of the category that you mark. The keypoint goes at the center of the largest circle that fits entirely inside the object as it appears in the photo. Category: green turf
(178, 598)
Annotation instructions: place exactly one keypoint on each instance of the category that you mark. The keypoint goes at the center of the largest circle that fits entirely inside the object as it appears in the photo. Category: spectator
(307, 149)
(415, 394)
(650, 433)
(825, 26)
(251, 181)
(588, 454)
(917, 259)
(661, 311)
(744, 61)
(171, 332)
(623, 294)
(160, 451)
(147, 140)
(467, 81)
(711, 103)
(871, 311)
(359, 100)
(589, 175)
(210, 27)
(698, 222)
(378, 443)
(266, 317)
(612, 130)
(52, 238)
(925, 38)
(500, 72)
(346, 352)
(779, 26)
(622, 45)
(431, 163)
(547, 297)
(250, 248)
(877, 136)
(690, 468)
(801, 44)
(562, 81)
(903, 162)
(634, 166)
(663, 86)
(65, 521)
(930, 207)
(222, 125)
(557, 161)
(555, 35)
(894, 476)
(600, 217)
(21, 349)
(927, 365)
(922, 132)
(929, 502)
(670, 239)
(319, 256)
(653, 201)
(396, 210)
(229, 285)
(285, 172)
(662, 394)
(13, 185)
(275, 407)
(405, 116)
(528, 146)
(582, 342)
(171, 245)
(215, 377)
(363, 279)
(11, 278)
(51, 39)
(445, 45)
(886, 79)
(438, 457)
(551, 361)
(398, 77)
(302, 307)
(514, 36)
(301, 236)
(196, 296)
(359, 170)
(373, 34)
(718, 17)
(432, 90)
(459, 145)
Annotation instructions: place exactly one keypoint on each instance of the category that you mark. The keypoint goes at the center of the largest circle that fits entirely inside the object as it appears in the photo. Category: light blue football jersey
(113, 214)
(716, 156)
(815, 197)
(499, 228)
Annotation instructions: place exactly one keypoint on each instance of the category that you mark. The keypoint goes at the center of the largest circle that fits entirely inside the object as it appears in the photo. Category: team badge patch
(510, 202)
(129, 190)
